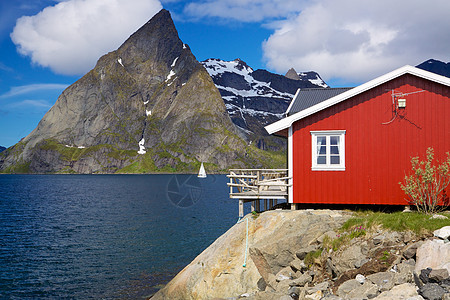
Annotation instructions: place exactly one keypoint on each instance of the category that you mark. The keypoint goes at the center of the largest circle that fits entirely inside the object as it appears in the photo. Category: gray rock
(261, 284)
(383, 280)
(432, 291)
(438, 275)
(294, 290)
(330, 234)
(410, 250)
(367, 290)
(284, 274)
(318, 287)
(403, 291)
(446, 296)
(378, 239)
(443, 233)
(302, 280)
(301, 254)
(345, 288)
(298, 265)
(405, 273)
(347, 259)
(332, 297)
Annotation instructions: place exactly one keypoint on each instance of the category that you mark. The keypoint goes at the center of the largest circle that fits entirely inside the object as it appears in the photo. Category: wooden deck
(258, 184)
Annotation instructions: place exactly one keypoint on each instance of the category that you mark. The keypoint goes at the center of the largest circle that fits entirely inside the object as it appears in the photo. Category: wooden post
(293, 206)
(241, 208)
(265, 204)
(270, 203)
(257, 206)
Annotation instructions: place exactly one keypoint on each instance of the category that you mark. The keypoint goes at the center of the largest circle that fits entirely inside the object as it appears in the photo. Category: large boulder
(273, 239)
(403, 291)
(434, 254)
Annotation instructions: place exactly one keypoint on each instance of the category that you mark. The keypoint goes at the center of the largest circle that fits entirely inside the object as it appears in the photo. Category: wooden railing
(258, 184)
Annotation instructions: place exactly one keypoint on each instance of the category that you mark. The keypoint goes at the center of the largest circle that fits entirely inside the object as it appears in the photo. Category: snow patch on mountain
(252, 98)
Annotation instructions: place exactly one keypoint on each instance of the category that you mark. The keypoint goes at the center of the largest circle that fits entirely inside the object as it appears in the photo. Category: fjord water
(105, 236)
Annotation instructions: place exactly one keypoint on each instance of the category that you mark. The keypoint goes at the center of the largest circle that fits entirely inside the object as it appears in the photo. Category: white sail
(202, 172)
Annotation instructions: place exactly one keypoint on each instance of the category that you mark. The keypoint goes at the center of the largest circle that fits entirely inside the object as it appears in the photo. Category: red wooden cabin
(354, 146)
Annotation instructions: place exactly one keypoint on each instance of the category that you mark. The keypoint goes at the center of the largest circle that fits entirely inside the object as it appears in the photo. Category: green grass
(397, 221)
(312, 256)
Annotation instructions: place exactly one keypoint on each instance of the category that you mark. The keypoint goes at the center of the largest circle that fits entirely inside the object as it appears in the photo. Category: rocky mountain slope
(255, 98)
(2, 148)
(148, 106)
(293, 255)
(436, 66)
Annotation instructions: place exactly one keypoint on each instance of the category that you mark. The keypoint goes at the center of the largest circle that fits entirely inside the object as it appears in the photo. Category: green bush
(426, 186)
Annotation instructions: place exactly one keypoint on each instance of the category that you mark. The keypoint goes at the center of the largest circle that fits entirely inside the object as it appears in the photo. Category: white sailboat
(202, 172)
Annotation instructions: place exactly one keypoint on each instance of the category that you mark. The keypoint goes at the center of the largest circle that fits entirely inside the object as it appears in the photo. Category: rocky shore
(302, 255)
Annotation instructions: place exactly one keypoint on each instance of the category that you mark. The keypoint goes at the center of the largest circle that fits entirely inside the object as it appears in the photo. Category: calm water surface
(105, 236)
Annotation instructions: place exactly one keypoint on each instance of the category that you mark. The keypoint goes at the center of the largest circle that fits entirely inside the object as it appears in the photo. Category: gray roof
(310, 97)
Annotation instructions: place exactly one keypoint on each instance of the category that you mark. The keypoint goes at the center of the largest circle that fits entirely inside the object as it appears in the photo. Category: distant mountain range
(2, 148)
(436, 66)
(256, 98)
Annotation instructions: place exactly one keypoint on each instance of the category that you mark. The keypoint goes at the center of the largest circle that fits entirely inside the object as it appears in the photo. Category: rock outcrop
(291, 255)
(148, 106)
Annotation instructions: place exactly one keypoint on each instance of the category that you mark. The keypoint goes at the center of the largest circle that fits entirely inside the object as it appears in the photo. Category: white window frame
(328, 166)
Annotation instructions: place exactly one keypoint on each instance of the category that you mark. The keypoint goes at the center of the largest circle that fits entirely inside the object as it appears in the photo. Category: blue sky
(46, 45)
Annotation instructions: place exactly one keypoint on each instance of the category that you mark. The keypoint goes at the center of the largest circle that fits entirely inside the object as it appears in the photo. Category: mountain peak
(436, 66)
(157, 39)
(292, 74)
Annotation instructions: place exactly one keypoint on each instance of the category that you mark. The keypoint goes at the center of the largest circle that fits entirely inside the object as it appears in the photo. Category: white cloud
(243, 10)
(31, 104)
(359, 40)
(32, 88)
(70, 36)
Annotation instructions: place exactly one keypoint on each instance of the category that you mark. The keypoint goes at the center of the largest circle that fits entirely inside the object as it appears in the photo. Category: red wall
(377, 156)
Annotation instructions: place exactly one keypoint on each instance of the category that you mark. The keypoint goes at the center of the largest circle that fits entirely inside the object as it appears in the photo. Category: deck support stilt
(241, 208)
(293, 206)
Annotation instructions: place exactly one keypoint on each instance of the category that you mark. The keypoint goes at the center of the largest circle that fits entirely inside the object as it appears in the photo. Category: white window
(328, 150)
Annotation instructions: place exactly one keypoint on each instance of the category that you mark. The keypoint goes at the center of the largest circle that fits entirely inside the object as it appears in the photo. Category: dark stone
(294, 292)
(261, 284)
(432, 291)
(410, 250)
(438, 275)
(417, 281)
(424, 273)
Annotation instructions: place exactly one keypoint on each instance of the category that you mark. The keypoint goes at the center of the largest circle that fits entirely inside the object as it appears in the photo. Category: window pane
(321, 150)
(334, 140)
(334, 150)
(321, 160)
(335, 160)
(321, 140)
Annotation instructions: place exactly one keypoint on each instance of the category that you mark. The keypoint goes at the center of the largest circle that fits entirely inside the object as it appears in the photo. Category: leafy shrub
(426, 186)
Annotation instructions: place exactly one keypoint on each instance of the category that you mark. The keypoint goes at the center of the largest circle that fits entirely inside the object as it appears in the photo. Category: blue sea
(105, 236)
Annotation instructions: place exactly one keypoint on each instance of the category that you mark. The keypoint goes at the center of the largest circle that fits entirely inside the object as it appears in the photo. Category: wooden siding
(377, 156)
